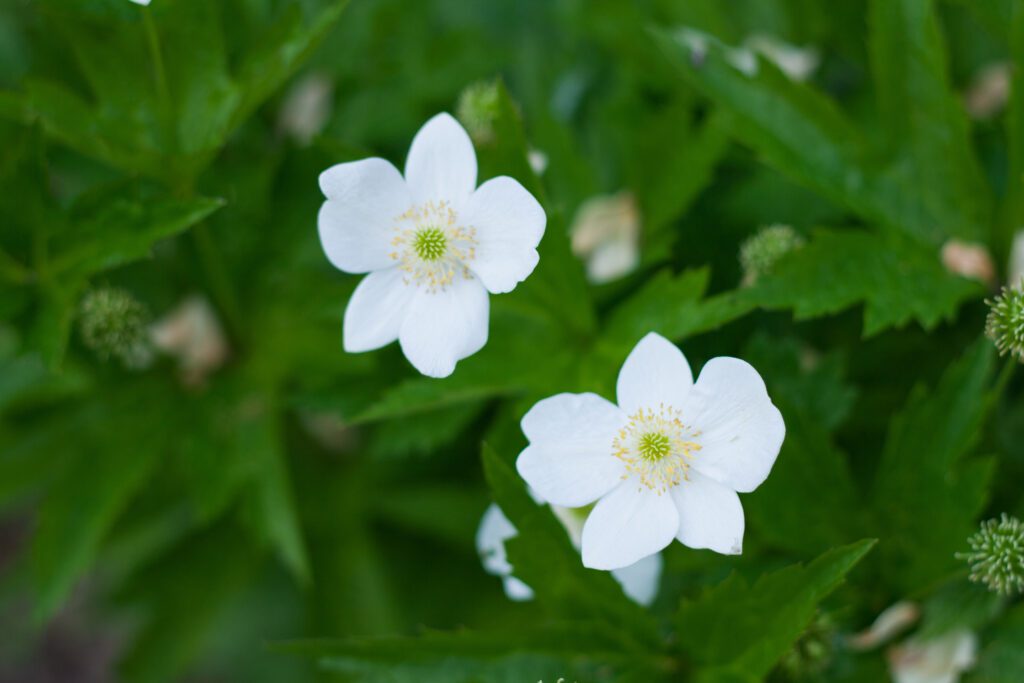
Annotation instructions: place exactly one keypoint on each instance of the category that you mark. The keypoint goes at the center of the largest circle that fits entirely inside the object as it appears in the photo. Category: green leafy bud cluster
(113, 325)
(478, 108)
(1005, 322)
(997, 555)
(760, 252)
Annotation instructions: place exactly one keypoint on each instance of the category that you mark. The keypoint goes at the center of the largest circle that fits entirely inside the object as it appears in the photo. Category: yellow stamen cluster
(431, 247)
(656, 447)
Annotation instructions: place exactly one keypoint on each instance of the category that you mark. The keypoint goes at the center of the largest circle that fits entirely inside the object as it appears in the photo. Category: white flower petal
(639, 581)
(509, 224)
(443, 327)
(441, 163)
(710, 515)
(938, 660)
(741, 431)
(569, 461)
(627, 525)
(516, 590)
(495, 529)
(376, 310)
(363, 199)
(655, 373)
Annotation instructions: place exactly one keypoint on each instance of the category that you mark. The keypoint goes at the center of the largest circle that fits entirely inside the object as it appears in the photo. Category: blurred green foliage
(274, 489)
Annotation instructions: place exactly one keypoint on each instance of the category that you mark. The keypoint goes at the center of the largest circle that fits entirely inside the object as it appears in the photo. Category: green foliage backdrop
(278, 510)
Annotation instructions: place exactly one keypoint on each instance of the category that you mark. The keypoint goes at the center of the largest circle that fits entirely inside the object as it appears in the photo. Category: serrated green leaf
(896, 280)
(546, 652)
(272, 501)
(957, 605)
(1002, 658)
(803, 134)
(925, 119)
(164, 93)
(124, 231)
(789, 510)
(423, 434)
(925, 497)
(182, 594)
(109, 468)
(745, 629)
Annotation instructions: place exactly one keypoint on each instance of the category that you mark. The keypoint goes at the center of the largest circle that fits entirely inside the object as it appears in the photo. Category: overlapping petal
(627, 525)
(569, 461)
(443, 327)
(710, 515)
(376, 310)
(640, 580)
(509, 224)
(741, 430)
(355, 223)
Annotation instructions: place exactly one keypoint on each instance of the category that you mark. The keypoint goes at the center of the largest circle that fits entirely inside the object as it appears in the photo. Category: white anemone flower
(639, 581)
(434, 245)
(666, 462)
(936, 660)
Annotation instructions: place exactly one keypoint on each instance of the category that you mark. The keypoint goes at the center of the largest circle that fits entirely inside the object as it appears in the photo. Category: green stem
(1005, 375)
(12, 270)
(220, 282)
(163, 91)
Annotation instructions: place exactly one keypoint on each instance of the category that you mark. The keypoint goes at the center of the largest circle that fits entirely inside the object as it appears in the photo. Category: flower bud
(113, 325)
(1005, 322)
(997, 555)
(760, 252)
(477, 109)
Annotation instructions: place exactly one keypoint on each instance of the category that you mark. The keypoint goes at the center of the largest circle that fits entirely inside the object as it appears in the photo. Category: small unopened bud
(760, 252)
(478, 108)
(1005, 322)
(970, 260)
(113, 325)
(997, 555)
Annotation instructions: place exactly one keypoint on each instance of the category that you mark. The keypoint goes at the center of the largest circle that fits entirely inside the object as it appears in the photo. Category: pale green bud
(113, 325)
(760, 252)
(997, 555)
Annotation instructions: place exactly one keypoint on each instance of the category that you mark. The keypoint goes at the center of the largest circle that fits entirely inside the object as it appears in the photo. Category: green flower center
(430, 243)
(654, 446)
